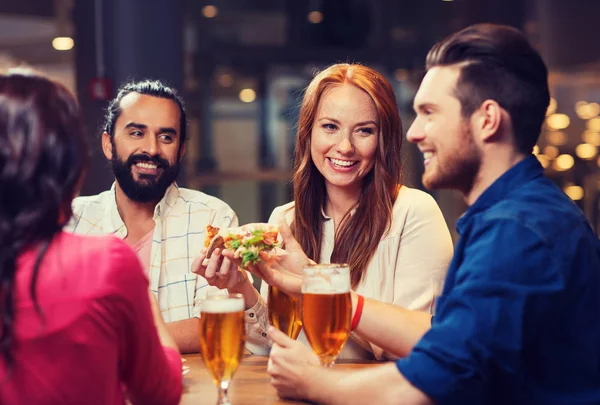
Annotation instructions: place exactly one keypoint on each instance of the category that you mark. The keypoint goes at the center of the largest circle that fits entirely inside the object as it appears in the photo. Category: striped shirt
(180, 220)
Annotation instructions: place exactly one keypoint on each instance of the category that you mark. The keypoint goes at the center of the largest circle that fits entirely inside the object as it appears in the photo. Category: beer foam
(325, 292)
(326, 279)
(224, 304)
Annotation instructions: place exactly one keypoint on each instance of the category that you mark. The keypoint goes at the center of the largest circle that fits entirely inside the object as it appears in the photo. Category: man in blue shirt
(518, 321)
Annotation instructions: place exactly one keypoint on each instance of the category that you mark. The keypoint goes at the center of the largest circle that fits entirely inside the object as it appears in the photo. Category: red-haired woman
(349, 205)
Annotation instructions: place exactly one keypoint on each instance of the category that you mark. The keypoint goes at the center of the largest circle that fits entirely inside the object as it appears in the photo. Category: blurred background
(241, 66)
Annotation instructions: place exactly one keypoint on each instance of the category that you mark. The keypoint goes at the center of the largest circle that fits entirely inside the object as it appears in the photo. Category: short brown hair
(498, 63)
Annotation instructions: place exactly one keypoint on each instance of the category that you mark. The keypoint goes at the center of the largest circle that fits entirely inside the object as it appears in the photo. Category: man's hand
(296, 374)
(223, 272)
(289, 364)
(219, 271)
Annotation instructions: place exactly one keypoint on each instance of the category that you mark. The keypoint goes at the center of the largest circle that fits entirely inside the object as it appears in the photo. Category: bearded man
(144, 139)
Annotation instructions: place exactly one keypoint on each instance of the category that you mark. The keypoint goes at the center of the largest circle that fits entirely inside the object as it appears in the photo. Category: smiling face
(452, 158)
(344, 137)
(144, 150)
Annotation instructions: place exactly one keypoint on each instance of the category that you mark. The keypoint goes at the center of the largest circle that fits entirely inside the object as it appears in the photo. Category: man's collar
(168, 201)
(162, 208)
(521, 173)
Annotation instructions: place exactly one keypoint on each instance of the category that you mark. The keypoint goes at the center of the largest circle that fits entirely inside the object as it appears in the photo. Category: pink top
(97, 337)
(143, 248)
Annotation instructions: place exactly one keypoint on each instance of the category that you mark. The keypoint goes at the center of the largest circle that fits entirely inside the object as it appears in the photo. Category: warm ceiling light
(587, 111)
(580, 108)
(552, 106)
(574, 192)
(558, 121)
(556, 138)
(247, 95)
(63, 43)
(315, 17)
(586, 151)
(563, 162)
(551, 151)
(594, 124)
(210, 11)
(591, 137)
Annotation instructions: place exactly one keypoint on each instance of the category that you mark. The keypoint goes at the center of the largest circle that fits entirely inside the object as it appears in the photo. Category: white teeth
(146, 165)
(343, 163)
(427, 155)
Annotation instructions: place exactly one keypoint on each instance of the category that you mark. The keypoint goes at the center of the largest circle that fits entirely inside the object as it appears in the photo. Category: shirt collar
(327, 217)
(521, 173)
(168, 201)
(162, 208)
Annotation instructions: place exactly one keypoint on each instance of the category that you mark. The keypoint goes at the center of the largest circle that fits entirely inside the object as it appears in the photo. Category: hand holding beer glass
(222, 338)
(326, 309)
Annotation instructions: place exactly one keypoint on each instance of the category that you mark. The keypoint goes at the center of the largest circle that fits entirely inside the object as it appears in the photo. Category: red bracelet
(358, 313)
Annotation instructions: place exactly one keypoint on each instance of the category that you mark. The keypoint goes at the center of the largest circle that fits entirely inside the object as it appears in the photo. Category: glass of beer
(222, 338)
(326, 309)
(284, 312)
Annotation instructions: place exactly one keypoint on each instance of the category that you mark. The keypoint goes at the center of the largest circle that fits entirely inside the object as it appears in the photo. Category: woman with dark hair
(349, 205)
(78, 323)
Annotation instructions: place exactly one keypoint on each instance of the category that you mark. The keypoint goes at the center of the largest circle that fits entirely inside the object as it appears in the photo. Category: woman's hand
(282, 268)
(295, 259)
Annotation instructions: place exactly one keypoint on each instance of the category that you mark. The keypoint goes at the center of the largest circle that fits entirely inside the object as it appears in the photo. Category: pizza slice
(246, 242)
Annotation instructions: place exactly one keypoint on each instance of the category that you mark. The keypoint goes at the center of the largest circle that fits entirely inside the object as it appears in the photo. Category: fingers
(214, 264)
(286, 233)
(279, 337)
(230, 255)
(225, 268)
(286, 366)
(197, 263)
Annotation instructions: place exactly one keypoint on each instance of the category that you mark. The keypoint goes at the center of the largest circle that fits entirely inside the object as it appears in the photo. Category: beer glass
(326, 309)
(284, 312)
(222, 338)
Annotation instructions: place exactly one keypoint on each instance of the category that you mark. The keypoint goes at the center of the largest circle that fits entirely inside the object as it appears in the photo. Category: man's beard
(148, 188)
(458, 168)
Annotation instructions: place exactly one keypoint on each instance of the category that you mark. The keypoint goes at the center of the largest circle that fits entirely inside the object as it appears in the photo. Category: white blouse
(408, 268)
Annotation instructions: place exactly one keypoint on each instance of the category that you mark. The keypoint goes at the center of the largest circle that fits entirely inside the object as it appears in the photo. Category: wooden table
(251, 384)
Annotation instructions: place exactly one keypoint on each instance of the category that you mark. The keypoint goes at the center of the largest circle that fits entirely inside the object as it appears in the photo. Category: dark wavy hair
(498, 63)
(43, 155)
(358, 235)
(154, 88)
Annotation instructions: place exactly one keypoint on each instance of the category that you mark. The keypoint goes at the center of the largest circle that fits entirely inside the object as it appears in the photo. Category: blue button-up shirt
(518, 321)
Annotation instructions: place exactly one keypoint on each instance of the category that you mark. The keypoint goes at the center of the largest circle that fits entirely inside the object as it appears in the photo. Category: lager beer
(222, 338)
(326, 309)
(284, 312)
(327, 322)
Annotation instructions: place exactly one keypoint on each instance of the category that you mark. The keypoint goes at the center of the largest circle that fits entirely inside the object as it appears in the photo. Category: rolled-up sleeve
(484, 317)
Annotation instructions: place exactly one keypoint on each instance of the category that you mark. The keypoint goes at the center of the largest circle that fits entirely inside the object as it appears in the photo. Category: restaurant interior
(241, 66)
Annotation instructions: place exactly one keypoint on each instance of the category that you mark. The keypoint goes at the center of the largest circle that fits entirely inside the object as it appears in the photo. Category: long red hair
(357, 236)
